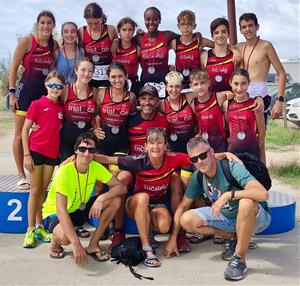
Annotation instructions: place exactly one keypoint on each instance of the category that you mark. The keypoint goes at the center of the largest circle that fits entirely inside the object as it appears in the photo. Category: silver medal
(151, 70)
(115, 130)
(95, 58)
(241, 135)
(45, 71)
(173, 137)
(82, 206)
(218, 78)
(81, 124)
(186, 72)
(205, 135)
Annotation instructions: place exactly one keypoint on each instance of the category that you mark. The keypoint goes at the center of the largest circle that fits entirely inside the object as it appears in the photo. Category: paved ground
(275, 262)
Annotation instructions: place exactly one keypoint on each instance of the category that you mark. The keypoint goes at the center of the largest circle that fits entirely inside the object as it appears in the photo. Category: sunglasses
(92, 150)
(201, 156)
(55, 85)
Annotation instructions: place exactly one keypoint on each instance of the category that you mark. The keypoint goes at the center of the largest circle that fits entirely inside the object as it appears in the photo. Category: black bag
(255, 167)
(130, 253)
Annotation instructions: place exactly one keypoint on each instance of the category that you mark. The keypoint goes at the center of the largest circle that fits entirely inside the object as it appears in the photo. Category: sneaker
(118, 238)
(42, 234)
(29, 240)
(183, 245)
(253, 244)
(236, 269)
(229, 248)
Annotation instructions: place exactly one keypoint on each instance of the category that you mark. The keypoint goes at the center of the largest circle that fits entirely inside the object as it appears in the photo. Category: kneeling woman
(152, 176)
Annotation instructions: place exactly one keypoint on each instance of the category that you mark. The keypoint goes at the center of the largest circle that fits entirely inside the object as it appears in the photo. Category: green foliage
(278, 137)
(4, 71)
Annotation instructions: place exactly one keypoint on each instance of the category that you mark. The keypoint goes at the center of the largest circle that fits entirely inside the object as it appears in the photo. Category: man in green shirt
(234, 214)
(69, 202)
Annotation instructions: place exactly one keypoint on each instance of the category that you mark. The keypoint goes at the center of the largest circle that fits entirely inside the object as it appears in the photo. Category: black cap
(150, 90)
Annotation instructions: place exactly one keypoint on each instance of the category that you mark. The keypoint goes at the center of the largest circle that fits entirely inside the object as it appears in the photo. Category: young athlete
(220, 61)
(188, 48)
(128, 52)
(35, 53)
(115, 104)
(247, 128)
(208, 112)
(257, 56)
(97, 37)
(41, 152)
(79, 108)
(67, 55)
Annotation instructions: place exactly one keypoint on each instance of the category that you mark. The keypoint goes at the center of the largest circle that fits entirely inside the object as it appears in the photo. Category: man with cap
(139, 123)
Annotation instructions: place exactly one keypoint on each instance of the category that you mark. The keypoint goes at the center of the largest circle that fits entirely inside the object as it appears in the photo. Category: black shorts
(99, 83)
(40, 159)
(78, 217)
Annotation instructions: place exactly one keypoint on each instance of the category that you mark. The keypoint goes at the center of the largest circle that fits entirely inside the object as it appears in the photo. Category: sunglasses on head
(201, 156)
(92, 150)
(55, 85)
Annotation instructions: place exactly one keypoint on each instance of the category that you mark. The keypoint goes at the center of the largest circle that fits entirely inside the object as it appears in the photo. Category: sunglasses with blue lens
(55, 85)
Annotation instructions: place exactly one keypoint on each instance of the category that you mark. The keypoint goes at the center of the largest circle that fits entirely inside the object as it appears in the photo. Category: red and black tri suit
(149, 180)
(114, 116)
(210, 120)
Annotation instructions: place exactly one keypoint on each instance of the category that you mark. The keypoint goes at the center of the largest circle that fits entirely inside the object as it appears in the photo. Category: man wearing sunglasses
(70, 204)
(234, 214)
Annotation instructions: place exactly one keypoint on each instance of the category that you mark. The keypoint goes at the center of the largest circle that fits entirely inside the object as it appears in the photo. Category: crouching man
(69, 202)
(234, 214)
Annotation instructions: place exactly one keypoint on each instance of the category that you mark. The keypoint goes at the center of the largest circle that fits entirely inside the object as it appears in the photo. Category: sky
(278, 19)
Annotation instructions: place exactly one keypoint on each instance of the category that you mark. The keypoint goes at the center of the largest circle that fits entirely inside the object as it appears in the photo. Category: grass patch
(278, 137)
(288, 173)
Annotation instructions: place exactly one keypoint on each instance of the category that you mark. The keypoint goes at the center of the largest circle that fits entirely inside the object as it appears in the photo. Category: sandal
(150, 257)
(152, 241)
(23, 184)
(82, 232)
(58, 253)
(99, 255)
(199, 237)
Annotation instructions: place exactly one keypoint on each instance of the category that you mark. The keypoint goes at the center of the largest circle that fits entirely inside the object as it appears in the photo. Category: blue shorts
(263, 219)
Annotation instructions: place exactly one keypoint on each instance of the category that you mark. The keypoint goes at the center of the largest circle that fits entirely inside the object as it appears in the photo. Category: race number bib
(100, 72)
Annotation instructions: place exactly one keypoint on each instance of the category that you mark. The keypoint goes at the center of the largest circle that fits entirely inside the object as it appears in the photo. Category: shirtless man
(257, 56)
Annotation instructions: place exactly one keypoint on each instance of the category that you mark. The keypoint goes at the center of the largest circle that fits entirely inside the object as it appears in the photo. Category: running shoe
(236, 269)
(29, 240)
(42, 234)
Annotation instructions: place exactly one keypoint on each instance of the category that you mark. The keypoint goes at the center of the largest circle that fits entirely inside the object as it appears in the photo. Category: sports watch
(280, 98)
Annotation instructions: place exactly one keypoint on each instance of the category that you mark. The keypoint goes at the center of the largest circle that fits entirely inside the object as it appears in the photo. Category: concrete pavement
(274, 262)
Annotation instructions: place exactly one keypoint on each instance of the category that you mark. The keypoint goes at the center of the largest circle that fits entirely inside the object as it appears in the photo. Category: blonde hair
(199, 74)
(188, 16)
(174, 77)
(155, 133)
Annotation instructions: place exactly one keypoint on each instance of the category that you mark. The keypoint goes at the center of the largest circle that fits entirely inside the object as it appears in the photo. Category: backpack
(130, 253)
(255, 167)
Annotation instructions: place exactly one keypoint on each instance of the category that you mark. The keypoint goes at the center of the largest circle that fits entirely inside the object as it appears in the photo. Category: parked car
(292, 91)
(293, 111)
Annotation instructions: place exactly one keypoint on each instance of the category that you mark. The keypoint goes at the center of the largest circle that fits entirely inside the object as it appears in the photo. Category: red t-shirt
(152, 181)
(49, 116)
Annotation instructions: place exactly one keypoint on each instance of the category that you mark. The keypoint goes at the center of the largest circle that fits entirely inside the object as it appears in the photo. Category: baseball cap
(150, 90)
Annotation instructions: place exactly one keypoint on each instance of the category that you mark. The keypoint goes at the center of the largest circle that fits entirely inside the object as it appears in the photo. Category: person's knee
(186, 221)
(247, 208)
(142, 200)
(164, 225)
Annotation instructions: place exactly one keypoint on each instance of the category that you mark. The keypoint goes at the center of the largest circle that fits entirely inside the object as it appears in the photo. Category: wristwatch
(280, 98)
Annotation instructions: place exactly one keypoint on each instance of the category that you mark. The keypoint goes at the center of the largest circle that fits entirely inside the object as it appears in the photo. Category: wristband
(232, 195)
(12, 90)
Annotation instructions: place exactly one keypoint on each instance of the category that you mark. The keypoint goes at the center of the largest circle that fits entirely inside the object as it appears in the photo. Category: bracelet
(12, 90)
(27, 155)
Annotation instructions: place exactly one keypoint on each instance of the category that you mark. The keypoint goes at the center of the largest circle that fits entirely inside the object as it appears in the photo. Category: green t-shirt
(65, 182)
(239, 172)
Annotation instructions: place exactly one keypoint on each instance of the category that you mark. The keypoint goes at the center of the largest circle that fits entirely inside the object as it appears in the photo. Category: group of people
(155, 132)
